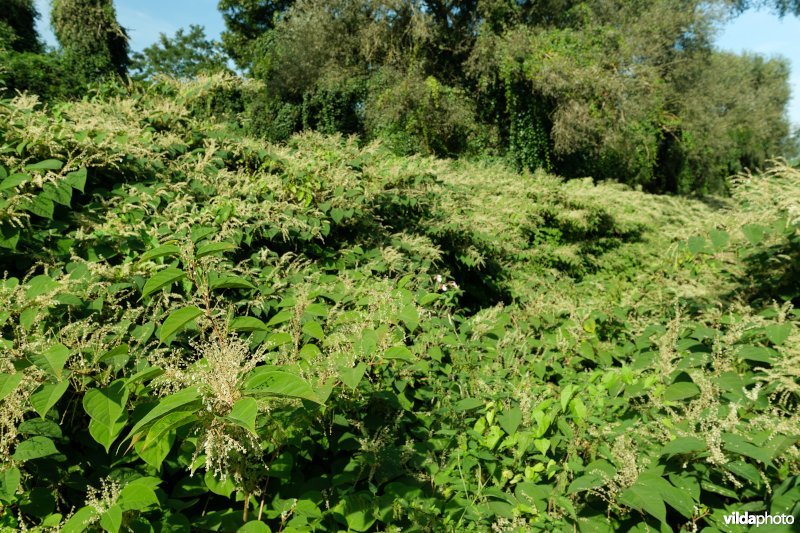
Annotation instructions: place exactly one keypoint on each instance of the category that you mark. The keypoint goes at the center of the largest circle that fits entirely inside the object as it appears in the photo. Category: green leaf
(358, 511)
(53, 360)
(681, 391)
(352, 376)
(753, 232)
(218, 486)
(47, 396)
(9, 237)
(160, 251)
(410, 317)
(107, 409)
(778, 333)
(467, 404)
(9, 482)
(79, 522)
(40, 285)
(111, 519)
(683, 445)
(760, 354)
(313, 329)
(248, 323)
(9, 382)
(230, 281)
(281, 384)
(697, 245)
(165, 425)
(34, 448)
(254, 526)
(586, 482)
(719, 239)
(244, 414)
(399, 352)
(77, 179)
(41, 206)
(136, 497)
(60, 193)
(737, 444)
(282, 316)
(645, 498)
(162, 279)
(15, 180)
(177, 320)
(510, 420)
(213, 248)
(173, 402)
(47, 164)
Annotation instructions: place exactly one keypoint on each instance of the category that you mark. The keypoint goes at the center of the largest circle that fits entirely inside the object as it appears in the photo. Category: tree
(18, 26)
(93, 42)
(246, 20)
(185, 55)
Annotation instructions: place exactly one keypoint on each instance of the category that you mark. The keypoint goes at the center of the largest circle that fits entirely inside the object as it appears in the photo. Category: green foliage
(201, 330)
(186, 55)
(18, 26)
(93, 43)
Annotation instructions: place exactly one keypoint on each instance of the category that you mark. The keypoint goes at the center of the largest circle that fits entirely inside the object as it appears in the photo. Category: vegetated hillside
(201, 330)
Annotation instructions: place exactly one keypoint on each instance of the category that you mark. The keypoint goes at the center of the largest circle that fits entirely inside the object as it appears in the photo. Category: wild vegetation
(210, 321)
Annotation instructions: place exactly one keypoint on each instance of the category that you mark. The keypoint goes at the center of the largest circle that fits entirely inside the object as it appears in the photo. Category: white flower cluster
(443, 285)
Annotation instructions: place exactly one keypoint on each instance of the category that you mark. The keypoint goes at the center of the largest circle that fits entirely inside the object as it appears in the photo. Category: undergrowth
(203, 331)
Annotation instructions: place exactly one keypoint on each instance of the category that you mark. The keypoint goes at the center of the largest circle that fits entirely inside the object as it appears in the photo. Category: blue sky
(755, 31)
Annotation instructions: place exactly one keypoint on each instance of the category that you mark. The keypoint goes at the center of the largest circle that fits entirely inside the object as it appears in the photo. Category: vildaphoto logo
(745, 518)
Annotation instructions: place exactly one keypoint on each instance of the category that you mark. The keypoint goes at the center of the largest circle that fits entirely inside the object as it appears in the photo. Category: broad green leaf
(161, 279)
(645, 498)
(9, 237)
(136, 496)
(230, 281)
(111, 519)
(586, 482)
(282, 316)
(41, 206)
(510, 420)
(40, 285)
(107, 409)
(60, 193)
(9, 482)
(47, 164)
(697, 245)
(173, 402)
(166, 424)
(218, 486)
(719, 239)
(213, 248)
(410, 317)
(738, 444)
(313, 329)
(160, 251)
(77, 179)
(683, 445)
(14, 180)
(760, 354)
(254, 526)
(352, 376)
(281, 384)
(778, 333)
(467, 404)
(681, 391)
(244, 414)
(34, 448)
(248, 323)
(399, 352)
(578, 409)
(53, 360)
(9, 382)
(358, 511)
(79, 522)
(754, 233)
(177, 320)
(47, 396)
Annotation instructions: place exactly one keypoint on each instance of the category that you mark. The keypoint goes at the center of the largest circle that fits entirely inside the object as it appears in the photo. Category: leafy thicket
(629, 91)
(94, 44)
(204, 331)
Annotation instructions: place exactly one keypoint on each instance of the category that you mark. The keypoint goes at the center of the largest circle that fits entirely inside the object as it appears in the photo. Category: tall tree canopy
(18, 25)
(185, 55)
(94, 43)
